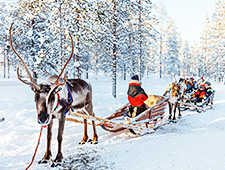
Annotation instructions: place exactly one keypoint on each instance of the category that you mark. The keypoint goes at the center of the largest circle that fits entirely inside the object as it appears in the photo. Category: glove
(204, 97)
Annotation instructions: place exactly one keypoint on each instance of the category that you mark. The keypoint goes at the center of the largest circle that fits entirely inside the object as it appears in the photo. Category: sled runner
(199, 106)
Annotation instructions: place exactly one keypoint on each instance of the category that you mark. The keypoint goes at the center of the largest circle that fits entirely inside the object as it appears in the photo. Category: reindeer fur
(174, 95)
(46, 102)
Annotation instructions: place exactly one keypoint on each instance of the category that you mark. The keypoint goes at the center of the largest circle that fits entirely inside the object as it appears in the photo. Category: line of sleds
(190, 104)
(196, 88)
(149, 120)
(146, 122)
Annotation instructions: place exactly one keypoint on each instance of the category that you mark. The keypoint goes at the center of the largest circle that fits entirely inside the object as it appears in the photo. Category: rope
(36, 148)
(78, 121)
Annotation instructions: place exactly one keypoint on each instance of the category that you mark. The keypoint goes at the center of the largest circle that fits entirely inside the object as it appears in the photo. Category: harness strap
(64, 103)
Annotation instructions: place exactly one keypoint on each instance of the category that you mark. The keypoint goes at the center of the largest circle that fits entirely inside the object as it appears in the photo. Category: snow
(196, 141)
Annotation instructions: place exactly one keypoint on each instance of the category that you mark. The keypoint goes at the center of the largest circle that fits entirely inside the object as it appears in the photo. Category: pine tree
(217, 49)
(186, 58)
(172, 55)
(204, 43)
(31, 34)
(161, 36)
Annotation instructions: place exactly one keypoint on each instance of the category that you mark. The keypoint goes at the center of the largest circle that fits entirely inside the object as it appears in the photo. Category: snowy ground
(195, 142)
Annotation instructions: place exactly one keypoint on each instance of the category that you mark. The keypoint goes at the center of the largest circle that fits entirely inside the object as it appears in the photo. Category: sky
(189, 16)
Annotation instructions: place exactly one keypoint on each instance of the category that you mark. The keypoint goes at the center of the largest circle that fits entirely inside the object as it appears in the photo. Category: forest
(119, 38)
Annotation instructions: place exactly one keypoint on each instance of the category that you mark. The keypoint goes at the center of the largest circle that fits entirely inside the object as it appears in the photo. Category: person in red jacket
(200, 94)
(136, 97)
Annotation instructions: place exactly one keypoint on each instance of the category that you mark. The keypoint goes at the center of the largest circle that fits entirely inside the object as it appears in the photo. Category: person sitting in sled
(200, 94)
(193, 83)
(208, 88)
(200, 82)
(136, 97)
(189, 86)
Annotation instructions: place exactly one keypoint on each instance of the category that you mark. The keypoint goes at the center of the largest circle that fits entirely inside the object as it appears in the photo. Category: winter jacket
(136, 95)
(189, 86)
(199, 94)
(209, 91)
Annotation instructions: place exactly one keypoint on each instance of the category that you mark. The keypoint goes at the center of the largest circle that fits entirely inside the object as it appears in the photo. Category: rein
(39, 139)
(67, 104)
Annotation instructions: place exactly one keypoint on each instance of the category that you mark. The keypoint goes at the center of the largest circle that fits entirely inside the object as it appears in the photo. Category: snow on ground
(195, 142)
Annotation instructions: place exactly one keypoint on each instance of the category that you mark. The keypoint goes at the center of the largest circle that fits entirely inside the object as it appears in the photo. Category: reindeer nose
(43, 118)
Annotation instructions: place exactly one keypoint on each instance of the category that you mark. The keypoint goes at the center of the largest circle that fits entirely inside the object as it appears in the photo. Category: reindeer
(173, 92)
(55, 99)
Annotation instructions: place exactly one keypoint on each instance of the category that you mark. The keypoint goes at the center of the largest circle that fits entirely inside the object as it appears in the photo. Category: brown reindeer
(173, 93)
(55, 99)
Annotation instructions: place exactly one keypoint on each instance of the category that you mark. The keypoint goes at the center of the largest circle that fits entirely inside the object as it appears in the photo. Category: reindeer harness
(64, 103)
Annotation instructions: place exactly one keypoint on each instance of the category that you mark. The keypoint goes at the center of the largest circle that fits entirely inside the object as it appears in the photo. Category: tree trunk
(124, 72)
(114, 53)
(4, 64)
(140, 38)
(8, 62)
(160, 58)
(78, 69)
(60, 34)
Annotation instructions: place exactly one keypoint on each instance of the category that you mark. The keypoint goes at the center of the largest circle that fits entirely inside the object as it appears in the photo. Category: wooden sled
(199, 107)
(146, 122)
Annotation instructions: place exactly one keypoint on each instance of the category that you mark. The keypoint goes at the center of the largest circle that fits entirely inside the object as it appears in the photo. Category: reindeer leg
(59, 156)
(48, 153)
(179, 114)
(95, 136)
(170, 111)
(89, 111)
(174, 111)
(85, 138)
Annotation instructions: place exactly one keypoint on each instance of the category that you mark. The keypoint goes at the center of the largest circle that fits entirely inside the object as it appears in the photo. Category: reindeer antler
(56, 82)
(33, 82)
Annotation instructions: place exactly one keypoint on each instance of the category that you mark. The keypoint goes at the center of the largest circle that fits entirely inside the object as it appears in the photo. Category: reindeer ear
(34, 89)
(55, 89)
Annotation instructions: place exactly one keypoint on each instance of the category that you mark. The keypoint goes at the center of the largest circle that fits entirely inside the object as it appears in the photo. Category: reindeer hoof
(82, 143)
(92, 142)
(43, 161)
(56, 164)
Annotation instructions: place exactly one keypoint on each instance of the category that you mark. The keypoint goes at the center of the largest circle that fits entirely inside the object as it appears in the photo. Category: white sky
(189, 15)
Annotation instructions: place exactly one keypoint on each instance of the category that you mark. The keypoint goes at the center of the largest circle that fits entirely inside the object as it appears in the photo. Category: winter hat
(208, 83)
(181, 80)
(135, 77)
(202, 87)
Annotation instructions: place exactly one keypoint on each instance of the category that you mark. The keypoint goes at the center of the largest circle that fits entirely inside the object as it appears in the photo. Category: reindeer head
(175, 89)
(42, 91)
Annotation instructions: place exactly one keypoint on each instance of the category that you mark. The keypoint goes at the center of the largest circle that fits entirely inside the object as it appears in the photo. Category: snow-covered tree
(172, 56)
(205, 45)
(217, 41)
(186, 58)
